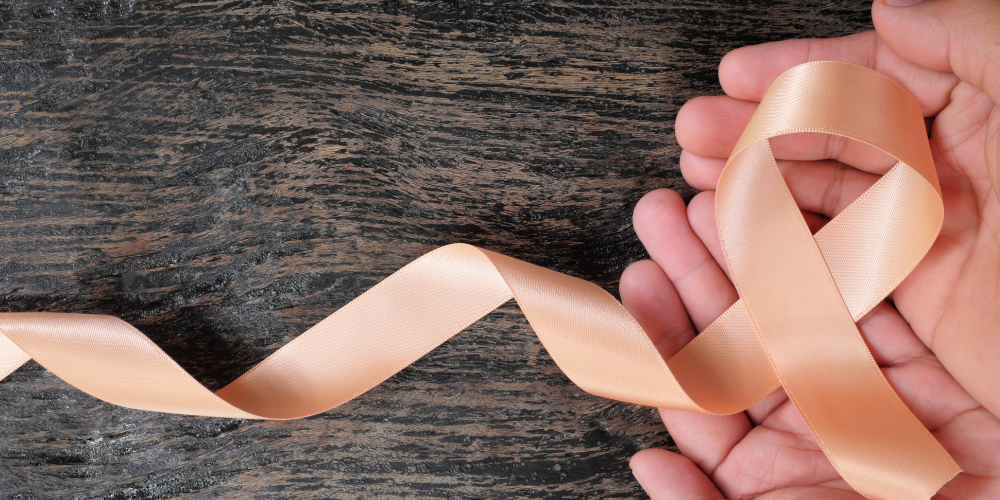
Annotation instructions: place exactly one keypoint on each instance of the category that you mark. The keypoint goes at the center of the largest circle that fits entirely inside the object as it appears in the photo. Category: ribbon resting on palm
(794, 326)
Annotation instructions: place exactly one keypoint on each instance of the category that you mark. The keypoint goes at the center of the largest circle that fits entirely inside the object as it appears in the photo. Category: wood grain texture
(225, 174)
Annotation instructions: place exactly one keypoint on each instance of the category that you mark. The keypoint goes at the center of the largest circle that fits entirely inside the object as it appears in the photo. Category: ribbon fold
(794, 326)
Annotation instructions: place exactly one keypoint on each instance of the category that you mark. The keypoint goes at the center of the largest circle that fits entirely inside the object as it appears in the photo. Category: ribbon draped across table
(794, 325)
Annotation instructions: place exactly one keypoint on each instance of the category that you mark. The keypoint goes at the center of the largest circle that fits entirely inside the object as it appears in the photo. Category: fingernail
(902, 3)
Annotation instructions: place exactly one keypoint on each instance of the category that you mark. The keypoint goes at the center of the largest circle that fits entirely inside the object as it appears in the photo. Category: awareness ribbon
(794, 326)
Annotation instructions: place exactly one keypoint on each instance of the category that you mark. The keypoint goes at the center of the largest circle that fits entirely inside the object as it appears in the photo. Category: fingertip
(650, 297)
(737, 73)
(634, 277)
(687, 125)
(661, 222)
(665, 475)
(635, 286)
(701, 172)
(704, 204)
(706, 439)
(747, 72)
(647, 462)
(652, 207)
(710, 125)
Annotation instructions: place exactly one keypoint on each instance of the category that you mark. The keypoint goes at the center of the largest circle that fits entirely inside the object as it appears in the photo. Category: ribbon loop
(803, 323)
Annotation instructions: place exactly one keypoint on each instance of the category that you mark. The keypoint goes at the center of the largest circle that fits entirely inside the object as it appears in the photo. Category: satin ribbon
(794, 325)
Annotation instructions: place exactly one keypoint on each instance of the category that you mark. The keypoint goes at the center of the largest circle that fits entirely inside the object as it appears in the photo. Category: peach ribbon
(793, 327)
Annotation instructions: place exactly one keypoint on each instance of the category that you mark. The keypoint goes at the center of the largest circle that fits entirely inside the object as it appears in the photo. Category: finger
(824, 187)
(889, 338)
(711, 126)
(929, 391)
(926, 388)
(821, 187)
(701, 172)
(705, 439)
(661, 222)
(973, 438)
(961, 141)
(701, 216)
(783, 441)
(946, 35)
(762, 409)
(747, 72)
(650, 297)
(669, 476)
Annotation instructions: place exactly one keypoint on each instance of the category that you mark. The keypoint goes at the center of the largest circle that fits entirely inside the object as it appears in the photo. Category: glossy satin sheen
(794, 325)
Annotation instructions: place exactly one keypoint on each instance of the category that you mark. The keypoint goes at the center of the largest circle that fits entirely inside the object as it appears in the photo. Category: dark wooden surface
(225, 174)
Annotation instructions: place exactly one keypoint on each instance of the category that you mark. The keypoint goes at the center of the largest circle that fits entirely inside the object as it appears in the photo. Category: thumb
(960, 36)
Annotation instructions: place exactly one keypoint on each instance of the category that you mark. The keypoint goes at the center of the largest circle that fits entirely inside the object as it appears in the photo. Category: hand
(938, 342)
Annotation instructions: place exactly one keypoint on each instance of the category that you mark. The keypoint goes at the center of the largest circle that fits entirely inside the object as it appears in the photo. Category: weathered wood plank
(225, 174)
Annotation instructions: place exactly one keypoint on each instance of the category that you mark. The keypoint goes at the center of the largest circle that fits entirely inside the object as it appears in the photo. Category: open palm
(938, 341)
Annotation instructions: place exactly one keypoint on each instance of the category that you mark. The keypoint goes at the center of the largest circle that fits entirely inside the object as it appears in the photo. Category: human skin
(937, 339)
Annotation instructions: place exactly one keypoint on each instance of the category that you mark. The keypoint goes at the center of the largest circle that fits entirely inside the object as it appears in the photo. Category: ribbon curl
(794, 326)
